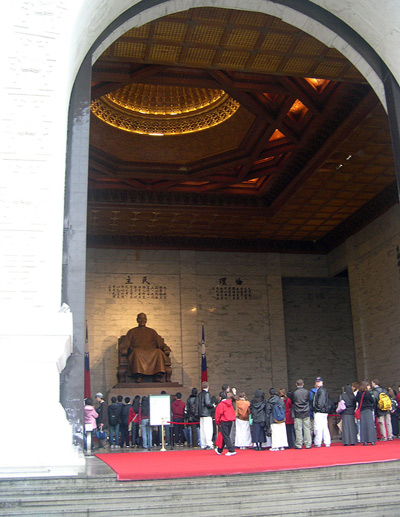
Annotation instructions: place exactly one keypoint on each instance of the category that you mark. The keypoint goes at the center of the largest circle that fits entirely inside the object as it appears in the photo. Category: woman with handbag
(348, 403)
(366, 402)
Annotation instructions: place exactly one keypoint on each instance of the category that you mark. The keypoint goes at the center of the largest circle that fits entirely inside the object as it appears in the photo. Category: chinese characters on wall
(231, 289)
(143, 290)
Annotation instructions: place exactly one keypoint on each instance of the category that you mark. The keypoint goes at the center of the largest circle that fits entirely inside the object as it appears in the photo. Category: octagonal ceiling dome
(164, 109)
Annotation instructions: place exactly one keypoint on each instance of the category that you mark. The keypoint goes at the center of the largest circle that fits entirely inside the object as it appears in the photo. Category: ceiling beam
(136, 76)
(342, 132)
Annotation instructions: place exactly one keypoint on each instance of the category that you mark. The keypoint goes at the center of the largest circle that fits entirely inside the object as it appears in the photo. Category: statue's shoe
(138, 379)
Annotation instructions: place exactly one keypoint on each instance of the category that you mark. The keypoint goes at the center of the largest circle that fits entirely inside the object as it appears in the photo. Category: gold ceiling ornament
(164, 110)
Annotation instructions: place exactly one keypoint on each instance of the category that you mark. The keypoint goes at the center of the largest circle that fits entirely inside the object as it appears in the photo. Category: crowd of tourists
(365, 413)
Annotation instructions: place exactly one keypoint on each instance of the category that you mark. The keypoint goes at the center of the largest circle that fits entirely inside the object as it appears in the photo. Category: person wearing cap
(320, 406)
(102, 419)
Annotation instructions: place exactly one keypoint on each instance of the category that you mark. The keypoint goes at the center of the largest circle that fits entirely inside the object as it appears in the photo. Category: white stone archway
(50, 46)
(315, 22)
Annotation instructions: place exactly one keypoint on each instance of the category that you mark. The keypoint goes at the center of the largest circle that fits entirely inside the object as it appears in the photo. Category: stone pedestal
(147, 388)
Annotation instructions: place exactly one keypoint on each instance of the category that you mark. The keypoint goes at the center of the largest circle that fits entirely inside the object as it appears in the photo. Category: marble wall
(373, 258)
(237, 297)
(257, 334)
(318, 327)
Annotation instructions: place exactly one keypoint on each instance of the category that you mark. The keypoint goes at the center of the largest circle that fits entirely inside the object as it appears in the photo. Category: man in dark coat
(320, 408)
(204, 408)
(301, 414)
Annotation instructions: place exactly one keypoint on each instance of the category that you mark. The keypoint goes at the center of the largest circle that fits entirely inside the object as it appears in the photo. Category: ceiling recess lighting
(164, 110)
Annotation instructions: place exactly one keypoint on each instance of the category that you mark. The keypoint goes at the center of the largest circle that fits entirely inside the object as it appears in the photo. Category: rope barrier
(184, 423)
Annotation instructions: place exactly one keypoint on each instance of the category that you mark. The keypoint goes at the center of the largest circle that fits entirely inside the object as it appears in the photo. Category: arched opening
(254, 176)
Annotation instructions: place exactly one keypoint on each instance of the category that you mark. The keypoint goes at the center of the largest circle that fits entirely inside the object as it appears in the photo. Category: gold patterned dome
(163, 109)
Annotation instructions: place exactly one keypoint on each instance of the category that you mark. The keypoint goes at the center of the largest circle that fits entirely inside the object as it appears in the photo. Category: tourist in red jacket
(224, 418)
(178, 416)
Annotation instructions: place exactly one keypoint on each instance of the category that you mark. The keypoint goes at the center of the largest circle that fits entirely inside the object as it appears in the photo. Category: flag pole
(87, 387)
(204, 374)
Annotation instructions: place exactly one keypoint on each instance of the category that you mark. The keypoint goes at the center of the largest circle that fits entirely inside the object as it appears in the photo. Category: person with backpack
(383, 406)
(275, 412)
(393, 412)
(114, 418)
(192, 428)
(320, 407)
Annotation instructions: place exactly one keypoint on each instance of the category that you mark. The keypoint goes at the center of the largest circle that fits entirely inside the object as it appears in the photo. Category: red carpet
(195, 463)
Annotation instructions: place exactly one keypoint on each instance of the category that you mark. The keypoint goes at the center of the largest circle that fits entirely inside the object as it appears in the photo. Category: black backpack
(113, 417)
(191, 409)
(331, 407)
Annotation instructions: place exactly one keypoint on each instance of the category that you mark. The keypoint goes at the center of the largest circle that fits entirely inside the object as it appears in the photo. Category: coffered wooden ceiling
(301, 165)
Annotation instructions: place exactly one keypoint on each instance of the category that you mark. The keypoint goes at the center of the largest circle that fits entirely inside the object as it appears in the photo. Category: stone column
(35, 347)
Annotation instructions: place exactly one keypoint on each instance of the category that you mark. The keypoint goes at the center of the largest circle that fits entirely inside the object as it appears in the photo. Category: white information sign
(160, 408)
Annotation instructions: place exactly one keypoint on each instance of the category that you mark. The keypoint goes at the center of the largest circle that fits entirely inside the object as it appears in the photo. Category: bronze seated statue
(143, 355)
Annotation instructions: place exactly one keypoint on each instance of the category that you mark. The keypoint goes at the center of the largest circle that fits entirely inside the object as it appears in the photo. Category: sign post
(160, 414)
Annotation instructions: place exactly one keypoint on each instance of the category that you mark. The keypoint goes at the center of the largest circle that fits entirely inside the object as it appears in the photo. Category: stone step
(215, 486)
(333, 474)
(351, 489)
(323, 498)
(357, 503)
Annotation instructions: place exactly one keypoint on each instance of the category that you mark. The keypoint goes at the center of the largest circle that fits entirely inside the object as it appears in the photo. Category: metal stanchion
(163, 449)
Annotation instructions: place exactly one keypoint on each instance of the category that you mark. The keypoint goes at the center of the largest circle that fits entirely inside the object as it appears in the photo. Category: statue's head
(141, 319)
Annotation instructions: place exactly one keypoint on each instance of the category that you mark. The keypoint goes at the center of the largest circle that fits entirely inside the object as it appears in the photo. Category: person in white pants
(320, 409)
(204, 408)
